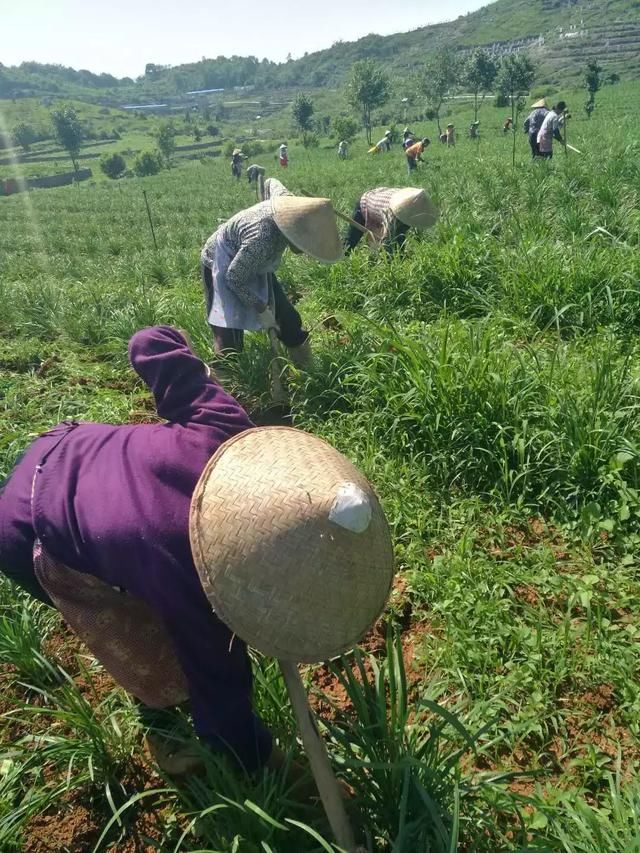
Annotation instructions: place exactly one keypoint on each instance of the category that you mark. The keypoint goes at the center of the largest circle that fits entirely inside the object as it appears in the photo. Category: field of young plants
(488, 383)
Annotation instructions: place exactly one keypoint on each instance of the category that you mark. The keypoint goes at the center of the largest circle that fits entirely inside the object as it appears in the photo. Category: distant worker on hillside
(236, 163)
(451, 136)
(283, 156)
(388, 213)
(508, 125)
(238, 262)
(408, 138)
(253, 172)
(343, 150)
(414, 153)
(533, 123)
(383, 145)
(474, 130)
(550, 130)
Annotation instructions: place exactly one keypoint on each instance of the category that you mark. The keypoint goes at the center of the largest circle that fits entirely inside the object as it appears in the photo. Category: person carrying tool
(533, 123)
(240, 257)
(388, 213)
(550, 130)
(122, 529)
(283, 156)
(236, 163)
(414, 153)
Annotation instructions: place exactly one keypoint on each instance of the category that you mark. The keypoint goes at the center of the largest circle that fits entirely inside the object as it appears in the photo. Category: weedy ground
(487, 382)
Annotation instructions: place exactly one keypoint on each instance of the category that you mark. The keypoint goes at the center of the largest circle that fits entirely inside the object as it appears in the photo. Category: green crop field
(488, 383)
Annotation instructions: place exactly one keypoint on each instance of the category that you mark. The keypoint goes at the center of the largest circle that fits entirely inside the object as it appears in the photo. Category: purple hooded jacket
(114, 501)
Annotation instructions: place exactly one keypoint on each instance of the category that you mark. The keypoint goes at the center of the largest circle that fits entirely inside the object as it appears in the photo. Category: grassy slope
(483, 382)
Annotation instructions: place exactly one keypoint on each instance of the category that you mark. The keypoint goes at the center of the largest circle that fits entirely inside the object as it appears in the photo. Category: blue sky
(121, 36)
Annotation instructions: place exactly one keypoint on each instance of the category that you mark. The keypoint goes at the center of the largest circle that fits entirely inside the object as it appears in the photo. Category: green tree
(368, 87)
(593, 80)
(513, 82)
(68, 132)
(439, 81)
(344, 127)
(302, 111)
(166, 139)
(149, 163)
(479, 75)
(113, 165)
(24, 135)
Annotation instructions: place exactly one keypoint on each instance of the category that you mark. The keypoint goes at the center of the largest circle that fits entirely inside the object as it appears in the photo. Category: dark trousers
(289, 320)
(533, 142)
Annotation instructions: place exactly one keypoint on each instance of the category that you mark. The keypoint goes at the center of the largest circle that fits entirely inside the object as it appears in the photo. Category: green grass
(487, 382)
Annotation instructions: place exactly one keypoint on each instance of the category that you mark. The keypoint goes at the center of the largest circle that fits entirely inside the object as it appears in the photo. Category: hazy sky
(121, 36)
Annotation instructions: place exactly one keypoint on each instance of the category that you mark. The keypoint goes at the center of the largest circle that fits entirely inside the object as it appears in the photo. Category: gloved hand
(268, 319)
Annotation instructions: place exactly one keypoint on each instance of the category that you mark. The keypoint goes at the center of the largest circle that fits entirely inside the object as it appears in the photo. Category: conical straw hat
(291, 544)
(542, 103)
(310, 224)
(413, 208)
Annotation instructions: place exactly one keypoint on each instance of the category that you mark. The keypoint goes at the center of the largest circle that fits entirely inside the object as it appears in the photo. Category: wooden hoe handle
(318, 759)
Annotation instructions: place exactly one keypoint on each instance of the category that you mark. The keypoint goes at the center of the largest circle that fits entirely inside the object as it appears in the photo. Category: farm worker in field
(507, 126)
(414, 153)
(550, 130)
(408, 138)
(236, 163)
(343, 150)
(253, 172)
(451, 136)
(388, 213)
(533, 123)
(283, 156)
(239, 259)
(443, 137)
(101, 522)
(474, 130)
(383, 145)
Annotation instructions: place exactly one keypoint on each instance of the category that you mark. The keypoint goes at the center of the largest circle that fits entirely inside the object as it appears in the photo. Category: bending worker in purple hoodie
(95, 518)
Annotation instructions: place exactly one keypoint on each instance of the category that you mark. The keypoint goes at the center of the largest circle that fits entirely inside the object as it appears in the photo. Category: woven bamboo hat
(542, 103)
(310, 224)
(414, 208)
(290, 543)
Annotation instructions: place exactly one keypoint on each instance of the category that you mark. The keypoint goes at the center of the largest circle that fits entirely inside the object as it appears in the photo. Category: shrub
(148, 163)
(113, 165)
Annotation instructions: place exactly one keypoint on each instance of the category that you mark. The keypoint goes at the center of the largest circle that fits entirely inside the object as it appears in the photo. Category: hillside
(558, 33)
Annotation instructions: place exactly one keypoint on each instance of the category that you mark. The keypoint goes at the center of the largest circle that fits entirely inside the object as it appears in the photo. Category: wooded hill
(560, 35)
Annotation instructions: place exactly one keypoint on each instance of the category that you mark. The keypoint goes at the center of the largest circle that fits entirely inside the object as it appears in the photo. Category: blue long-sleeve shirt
(114, 501)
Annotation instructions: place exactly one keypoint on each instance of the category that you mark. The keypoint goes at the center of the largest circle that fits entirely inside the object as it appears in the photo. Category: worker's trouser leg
(354, 235)
(535, 148)
(289, 320)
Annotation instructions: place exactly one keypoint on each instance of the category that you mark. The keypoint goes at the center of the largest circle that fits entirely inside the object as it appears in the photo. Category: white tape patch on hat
(351, 508)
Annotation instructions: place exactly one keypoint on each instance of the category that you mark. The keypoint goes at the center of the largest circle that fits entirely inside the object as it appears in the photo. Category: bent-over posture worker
(92, 507)
(388, 213)
(474, 130)
(550, 130)
(533, 123)
(383, 145)
(236, 163)
(239, 261)
(343, 150)
(414, 153)
(121, 529)
(254, 172)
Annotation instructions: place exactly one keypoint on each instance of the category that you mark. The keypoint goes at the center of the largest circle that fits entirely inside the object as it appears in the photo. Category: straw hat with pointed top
(414, 208)
(541, 104)
(291, 545)
(310, 224)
